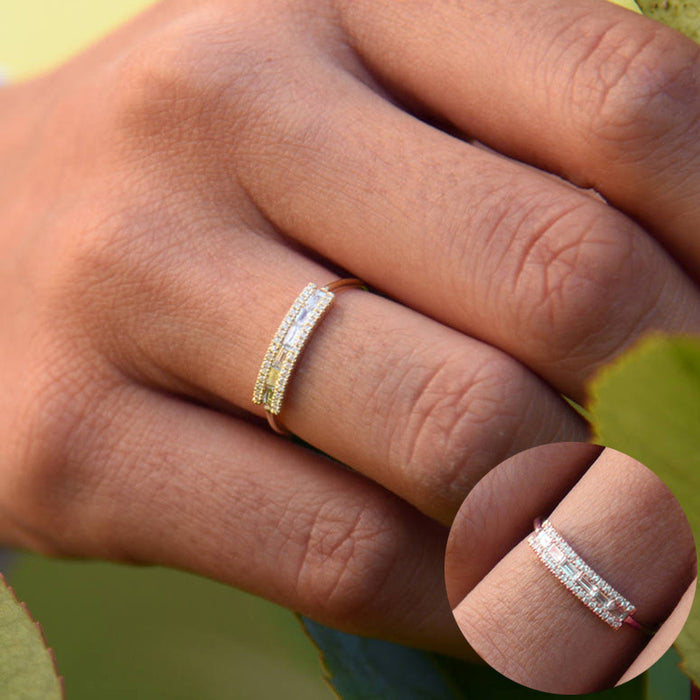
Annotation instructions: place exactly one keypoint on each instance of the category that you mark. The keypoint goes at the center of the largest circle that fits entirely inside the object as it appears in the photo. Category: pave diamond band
(579, 578)
(289, 341)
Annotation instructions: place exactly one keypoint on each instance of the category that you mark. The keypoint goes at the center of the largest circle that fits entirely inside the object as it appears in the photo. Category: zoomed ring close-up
(580, 579)
(286, 346)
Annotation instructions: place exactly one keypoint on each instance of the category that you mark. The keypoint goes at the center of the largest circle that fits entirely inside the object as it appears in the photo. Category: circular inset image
(570, 568)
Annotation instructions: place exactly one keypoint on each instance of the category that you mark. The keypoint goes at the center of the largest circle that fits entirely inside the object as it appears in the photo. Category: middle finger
(508, 254)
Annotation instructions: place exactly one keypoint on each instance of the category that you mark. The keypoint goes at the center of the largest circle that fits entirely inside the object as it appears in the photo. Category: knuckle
(115, 266)
(201, 75)
(164, 91)
(565, 271)
(347, 558)
(631, 88)
(447, 424)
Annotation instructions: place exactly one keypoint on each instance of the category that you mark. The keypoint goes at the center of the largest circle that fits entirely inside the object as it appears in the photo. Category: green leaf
(149, 633)
(629, 4)
(665, 681)
(359, 668)
(683, 15)
(27, 670)
(647, 405)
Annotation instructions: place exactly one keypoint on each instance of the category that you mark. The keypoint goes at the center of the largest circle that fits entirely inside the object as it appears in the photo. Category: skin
(165, 196)
(488, 510)
(621, 519)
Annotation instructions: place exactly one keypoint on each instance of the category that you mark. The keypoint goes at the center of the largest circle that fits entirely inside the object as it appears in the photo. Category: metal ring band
(289, 341)
(580, 579)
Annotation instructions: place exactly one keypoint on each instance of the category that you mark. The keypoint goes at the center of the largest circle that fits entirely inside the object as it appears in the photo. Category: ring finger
(413, 404)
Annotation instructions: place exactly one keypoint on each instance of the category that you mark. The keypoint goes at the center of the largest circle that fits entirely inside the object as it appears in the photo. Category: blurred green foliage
(151, 633)
(647, 405)
(369, 669)
(683, 15)
(26, 666)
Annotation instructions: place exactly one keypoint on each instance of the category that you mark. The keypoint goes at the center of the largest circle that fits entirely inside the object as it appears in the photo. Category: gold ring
(285, 348)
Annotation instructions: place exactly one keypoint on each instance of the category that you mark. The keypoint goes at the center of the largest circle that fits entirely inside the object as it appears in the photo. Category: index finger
(607, 98)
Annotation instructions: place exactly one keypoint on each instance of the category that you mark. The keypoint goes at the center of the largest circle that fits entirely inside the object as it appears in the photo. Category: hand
(166, 196)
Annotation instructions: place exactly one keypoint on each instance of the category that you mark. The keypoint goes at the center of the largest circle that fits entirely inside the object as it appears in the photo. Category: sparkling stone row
(595, 593)
(287, 344)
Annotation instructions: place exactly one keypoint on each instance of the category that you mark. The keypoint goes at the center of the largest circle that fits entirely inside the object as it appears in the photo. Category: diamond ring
(580, 579)
(285, 348)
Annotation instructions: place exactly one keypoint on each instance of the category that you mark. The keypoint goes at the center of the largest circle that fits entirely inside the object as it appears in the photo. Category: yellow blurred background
(37, 34)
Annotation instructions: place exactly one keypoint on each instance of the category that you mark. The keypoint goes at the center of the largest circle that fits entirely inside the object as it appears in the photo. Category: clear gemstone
(555, 554)
(311, 303)
(281, 356)
(618, 615)
(601, 599)
(544, 538)
(309, 307)
(616, 609)
(570, 570)
(293, 335)
(588, 586)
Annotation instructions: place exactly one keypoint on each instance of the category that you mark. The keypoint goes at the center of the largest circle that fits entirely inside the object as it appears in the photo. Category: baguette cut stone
(578, 577)
(293, 336)
(555, 554)
(285, 348)
(544, 539)
(272, 376)
(281, 357)
(570, 570)
(588, 586)
(601, 599)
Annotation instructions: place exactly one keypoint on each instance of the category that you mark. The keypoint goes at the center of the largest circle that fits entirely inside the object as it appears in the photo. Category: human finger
(607, 98)
(553, 276)
(159, 480)
(623, 522)
(412, 404)
(499, 513)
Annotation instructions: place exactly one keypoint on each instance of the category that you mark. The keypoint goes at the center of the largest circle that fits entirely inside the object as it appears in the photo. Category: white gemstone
(601, 599)
(308, 309)
(588, 586)
(570, 570)
(555, 554)
(544, 538)
(293, 335)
